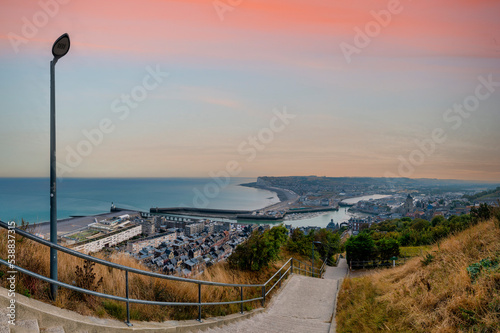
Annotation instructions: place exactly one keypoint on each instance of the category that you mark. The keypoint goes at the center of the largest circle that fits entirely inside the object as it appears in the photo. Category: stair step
(25, 326)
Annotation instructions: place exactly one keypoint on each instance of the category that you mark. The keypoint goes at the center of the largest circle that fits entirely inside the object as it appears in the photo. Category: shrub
(259, 250)
(495, 213)
(86, 279)
(428, 258)
(485, 264)
(387, 248)
(360, 248)
(481, 213)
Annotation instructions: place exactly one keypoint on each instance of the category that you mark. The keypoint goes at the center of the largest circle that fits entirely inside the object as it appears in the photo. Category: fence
(281, 273)
(375, 263)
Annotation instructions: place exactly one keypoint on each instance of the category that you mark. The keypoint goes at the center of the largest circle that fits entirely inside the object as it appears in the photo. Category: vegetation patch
(487, 265)
(414, 251)
(435, 294)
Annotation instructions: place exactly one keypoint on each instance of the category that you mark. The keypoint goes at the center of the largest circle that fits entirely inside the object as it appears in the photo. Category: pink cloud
(192, 28)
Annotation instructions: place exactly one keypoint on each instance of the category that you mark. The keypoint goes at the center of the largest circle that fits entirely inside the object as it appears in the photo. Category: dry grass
(439, 297)
(35, 257)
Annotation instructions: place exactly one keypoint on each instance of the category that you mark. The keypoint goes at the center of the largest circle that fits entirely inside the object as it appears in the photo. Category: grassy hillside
(454, 288)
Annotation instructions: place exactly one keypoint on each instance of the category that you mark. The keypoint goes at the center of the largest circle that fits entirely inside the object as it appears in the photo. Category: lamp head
(61, 46)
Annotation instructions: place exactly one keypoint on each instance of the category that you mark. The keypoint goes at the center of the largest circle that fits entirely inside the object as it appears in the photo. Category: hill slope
(438, 295)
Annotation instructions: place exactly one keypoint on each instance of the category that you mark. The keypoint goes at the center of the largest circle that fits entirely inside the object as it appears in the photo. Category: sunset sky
(362, 88)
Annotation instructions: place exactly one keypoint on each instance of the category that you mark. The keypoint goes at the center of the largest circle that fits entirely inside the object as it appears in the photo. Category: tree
(480, 214)
(360, 248)
(330, 244)
(387, 248)
(420, 224)
(259, 250)
(299, 242)
(437, 220)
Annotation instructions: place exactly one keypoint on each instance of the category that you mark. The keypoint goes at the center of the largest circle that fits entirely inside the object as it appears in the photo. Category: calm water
(28, 198)
(338, 216)
(322, 220)
(366, 198)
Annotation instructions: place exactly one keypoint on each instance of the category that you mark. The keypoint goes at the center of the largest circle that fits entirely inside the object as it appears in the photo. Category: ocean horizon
(28, 198)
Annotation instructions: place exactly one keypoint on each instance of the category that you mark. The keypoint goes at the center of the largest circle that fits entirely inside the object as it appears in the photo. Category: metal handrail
(113, 297)
(127, 269)
(118, 266)
(279, 280)
(321, 270)
(279, 270)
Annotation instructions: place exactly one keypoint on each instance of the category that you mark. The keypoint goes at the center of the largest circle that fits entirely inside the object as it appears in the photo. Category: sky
(209, 88)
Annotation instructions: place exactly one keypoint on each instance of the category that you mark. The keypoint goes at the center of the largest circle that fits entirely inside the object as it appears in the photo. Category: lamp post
(59, 50)
(312, 257)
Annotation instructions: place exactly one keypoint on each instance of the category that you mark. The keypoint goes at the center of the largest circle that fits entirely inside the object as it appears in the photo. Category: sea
(28, 198)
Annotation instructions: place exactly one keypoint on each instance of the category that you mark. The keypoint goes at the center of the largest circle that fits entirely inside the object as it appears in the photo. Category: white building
(109, 240)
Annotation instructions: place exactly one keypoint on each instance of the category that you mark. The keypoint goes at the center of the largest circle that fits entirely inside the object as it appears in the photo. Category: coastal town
(380, 199)
(184, 245)
(170, 244)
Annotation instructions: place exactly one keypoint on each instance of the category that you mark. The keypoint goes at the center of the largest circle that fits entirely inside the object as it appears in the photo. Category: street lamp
(59, 50)
(312, 257)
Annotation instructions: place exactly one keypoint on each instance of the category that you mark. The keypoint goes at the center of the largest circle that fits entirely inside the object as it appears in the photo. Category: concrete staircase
(306, 305)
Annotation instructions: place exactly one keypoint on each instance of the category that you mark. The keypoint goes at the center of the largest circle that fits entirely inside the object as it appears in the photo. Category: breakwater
(312, 210)
(207, 212)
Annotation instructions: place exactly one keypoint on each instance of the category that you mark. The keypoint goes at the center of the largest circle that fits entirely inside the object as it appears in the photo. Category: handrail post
(300, 272)
(241, 296)
(199, 302)
(128, 303)
(263, 296)
(280, 278)
(291, 267)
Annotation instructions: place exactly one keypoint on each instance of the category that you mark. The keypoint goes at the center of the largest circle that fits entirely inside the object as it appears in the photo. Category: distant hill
(301, 184)
(485, 195)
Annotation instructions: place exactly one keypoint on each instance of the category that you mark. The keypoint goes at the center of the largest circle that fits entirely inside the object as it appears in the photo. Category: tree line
(382, 240)
(264, 247)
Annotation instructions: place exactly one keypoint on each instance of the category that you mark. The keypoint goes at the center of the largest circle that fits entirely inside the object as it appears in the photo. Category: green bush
(114, 309)
(485, 264)
(302, 244)
(428, 258)
(259, 250)
(360, 248)
(387, 248)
